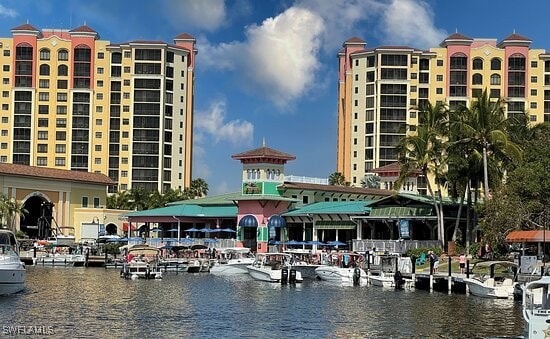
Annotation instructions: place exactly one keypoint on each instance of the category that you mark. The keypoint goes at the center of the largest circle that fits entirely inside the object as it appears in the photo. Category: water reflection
(81, 302)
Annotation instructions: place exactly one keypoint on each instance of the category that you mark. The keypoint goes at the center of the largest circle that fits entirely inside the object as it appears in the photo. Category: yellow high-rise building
(73, 101)
(380, 90)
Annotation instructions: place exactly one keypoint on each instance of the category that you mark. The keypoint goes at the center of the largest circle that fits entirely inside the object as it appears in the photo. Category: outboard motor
(356, 276)
(284, 275)
(398, 280)
(292, 276)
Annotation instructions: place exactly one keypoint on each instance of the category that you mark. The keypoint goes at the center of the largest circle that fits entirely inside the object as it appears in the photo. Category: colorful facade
(381, 89)
(73, 101)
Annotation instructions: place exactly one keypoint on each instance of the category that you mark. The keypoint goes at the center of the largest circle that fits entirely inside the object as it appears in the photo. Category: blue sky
(267, 69)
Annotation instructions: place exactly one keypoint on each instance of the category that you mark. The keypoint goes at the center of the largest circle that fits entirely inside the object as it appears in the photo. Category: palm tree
(370, 181)
(10, 209)
(337, 179)
(483, 127)
(426, 151)
(198, 188)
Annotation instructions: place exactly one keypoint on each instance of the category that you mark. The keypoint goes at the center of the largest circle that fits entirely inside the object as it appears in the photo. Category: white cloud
(411, 22)
(279, 57)
(8, 12)
(208, 15)
(212, 122)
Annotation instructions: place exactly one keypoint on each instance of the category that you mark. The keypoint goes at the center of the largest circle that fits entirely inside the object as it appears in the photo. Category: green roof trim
(330, 207)
(335, 225)
(400, 211)
(185, 210)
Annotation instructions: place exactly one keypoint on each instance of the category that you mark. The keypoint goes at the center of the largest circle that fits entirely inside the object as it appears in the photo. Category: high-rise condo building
(380, 90)
(73, 101)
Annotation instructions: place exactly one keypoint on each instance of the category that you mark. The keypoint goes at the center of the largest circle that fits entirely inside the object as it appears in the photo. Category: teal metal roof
(331, 207)
(187, 210)
(222, 199)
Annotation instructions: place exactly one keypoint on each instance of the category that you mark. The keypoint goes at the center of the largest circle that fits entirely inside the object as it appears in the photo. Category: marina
(205, 305)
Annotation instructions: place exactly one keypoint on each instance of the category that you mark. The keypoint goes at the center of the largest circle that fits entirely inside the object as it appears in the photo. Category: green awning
(400, 211)
(335, 225)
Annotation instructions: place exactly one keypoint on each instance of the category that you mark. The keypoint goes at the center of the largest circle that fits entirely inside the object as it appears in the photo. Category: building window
(124, 174)
(4, 145)
(44, 54)
(534, 64)
(98, 122)
(477, 63)
(126, 121)
(60, 135)
(61, 122)
(4, 132)
(60, 148)
(533, 92)
(43, 122)
(127, 54)
(99, 96)
(477, 79)
(84, 201)
(42, 161)
(6, 68)
(6, 52)
(4, 120)
(62, 110)
(97, 148)
(5, 94)
(126, 82)
(439, 63)
(59, 161)
(125, 134)
(533, 105)
(5, 81)
(124, 161)
(124, 148)
(99, 83)
(44, 83)
(42, 135)
(62, 97)
(126, 69)
(5, 107)
(97, 161)
(533, 79)
(99, 109)
(62, 70)
(126, 108)
(439, 77)
(100, 70)
(126, 95)
(495, 64)
(98, 135)
(43, 109)
(495, 79)
(62, 84)
(63, 54)
(43, 96)
(439, 90)
(42, 148)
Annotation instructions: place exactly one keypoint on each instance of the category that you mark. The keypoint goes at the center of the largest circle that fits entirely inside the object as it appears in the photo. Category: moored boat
(488, 283)
(344, 268)
(536, 307)
(12, 270)
(233, 261)
(142, 262)
(389, 275)
(274, 267)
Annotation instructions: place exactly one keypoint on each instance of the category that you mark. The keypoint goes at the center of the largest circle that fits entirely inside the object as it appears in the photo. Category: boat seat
(489, 282)
(508, 282)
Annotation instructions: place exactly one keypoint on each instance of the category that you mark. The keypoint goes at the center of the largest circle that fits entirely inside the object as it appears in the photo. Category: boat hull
(141, 270)
(231, 267)
(12, 278)
(342, 275)
(269, 275)
(478, 289)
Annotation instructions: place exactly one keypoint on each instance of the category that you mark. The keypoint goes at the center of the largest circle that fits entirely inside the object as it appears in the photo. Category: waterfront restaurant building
(73, 101)
(272, 209)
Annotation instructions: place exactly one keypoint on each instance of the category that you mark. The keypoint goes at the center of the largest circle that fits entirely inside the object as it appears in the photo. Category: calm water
(94, 302)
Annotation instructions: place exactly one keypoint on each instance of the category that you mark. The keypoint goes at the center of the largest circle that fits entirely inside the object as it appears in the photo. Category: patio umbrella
(228, 230)
(315, 242)
(186, 240)
(192, 229)
(210, 241)
(336, 243)
(206, 230)
(294, 243)
(155, 230)
(172, 230)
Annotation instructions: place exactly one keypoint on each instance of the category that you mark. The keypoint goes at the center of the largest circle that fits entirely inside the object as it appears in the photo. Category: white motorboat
(12, 270)
(344, 268)
(197, 265)
(305, 262)
(274, 267)
(142, 262)
(66, 260)
(490, 284)
(536, 307)
(233, 261)
(389, 275)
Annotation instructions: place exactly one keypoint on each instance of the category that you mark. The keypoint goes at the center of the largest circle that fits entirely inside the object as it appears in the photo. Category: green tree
(425, 150)
(370, 181)
(198, 188)
(338, 179)
(10, 208)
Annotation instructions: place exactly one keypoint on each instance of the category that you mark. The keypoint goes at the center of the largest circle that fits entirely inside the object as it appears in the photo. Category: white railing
(306, 180)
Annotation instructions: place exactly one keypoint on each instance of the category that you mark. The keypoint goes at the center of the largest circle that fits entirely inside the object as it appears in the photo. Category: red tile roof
(25, 27)
(184, 36)
(263, 153)
(516, 37)
(54, 174)
(355, 40)
(394, 167)
(457, 36)
(83, 28)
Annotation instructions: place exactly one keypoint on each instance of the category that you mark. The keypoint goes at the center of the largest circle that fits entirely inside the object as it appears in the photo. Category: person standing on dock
(462, 262)
(435, 261)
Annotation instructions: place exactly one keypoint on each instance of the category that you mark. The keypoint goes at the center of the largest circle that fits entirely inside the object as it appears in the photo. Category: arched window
(477, 63)
(44, 69)
(495, 79)
(44, 54)
(62, 70)
(248, 174)
(63, 54)
(268, 174)
(495, 64)
(278, 175)
(477, 79)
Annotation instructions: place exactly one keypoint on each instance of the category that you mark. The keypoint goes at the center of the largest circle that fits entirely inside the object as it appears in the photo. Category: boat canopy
(143, 249)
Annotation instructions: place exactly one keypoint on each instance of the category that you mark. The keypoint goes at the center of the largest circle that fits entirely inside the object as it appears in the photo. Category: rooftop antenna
(514, 31)
(27, 21)
(263, 142)
(456, 30)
